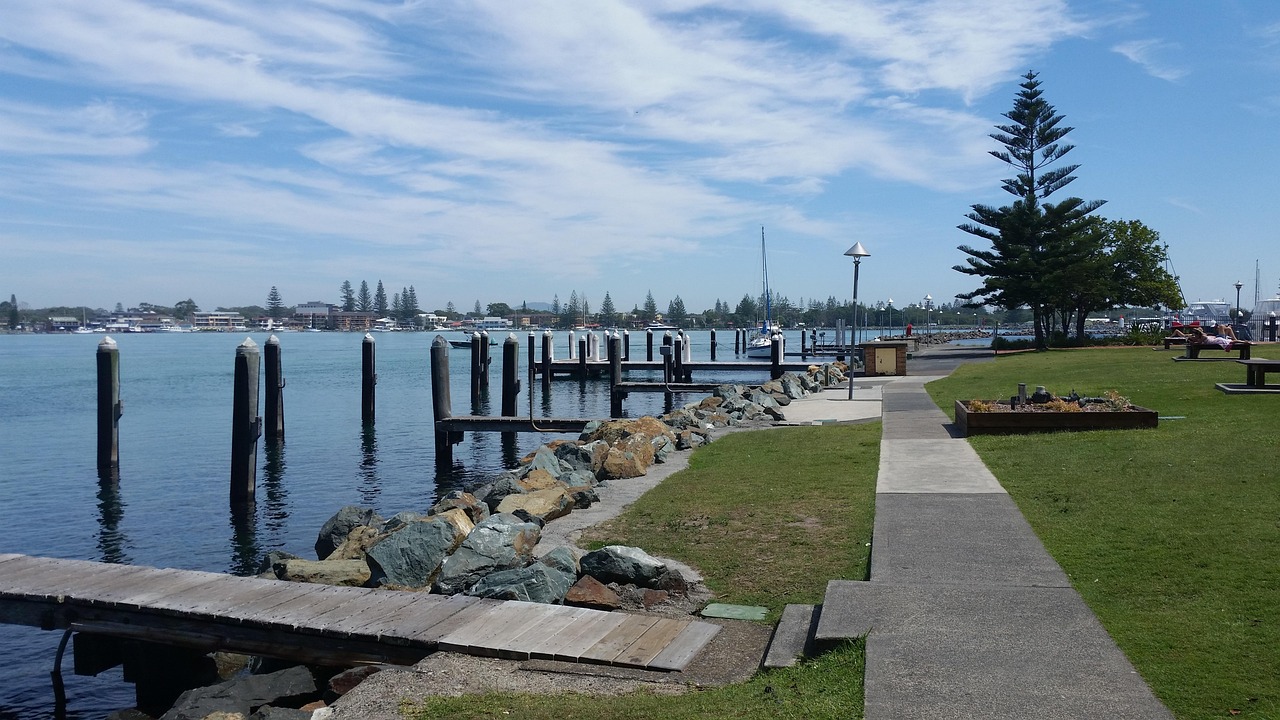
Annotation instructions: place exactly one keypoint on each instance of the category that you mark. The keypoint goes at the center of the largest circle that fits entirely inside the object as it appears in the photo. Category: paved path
(966, 615)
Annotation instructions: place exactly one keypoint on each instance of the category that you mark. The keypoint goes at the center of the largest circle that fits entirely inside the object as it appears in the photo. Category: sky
(491, 151)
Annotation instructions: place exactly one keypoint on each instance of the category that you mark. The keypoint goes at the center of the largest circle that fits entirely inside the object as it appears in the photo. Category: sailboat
(760, 345)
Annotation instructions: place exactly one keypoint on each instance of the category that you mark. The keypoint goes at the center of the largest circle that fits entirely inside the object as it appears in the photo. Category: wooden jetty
(324, 624)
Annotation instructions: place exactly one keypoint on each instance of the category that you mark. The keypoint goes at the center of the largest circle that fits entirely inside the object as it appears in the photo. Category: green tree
(451, 310)
(397, 308)
(555, 305)
(380, 301)
(572, 311)
(275, 306)
(607, 311)
(745, 314)
(364, 299)
(498, 310)
(676, 312)
(1035, 245)
(650, 307)
(411, 308)
(348, 295)
(14, 321)
(185, 309)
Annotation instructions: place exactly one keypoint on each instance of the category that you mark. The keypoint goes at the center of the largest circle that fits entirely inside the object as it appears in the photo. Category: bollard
(804, 351)
(648, 345)
(626, 345)
(368, 379)
(582, 358)
(573, 345)
(713, 344)
(737, 342)
(485, 359)
(109, 406)
(273, 403)
(615, 376)
(441, 407)
(510, 375)
(246, 425)
(475, 369)
(1271, 333)
(548, 345)
(775, 356)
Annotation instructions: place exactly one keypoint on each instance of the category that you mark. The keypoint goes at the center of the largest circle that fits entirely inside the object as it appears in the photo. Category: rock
(622, 564)
(337, 528)
(534, 583)
(501, 542)
(577, 479)
(465, 501)
(272, 559)
(545, 505)
(346, 681)
(621, 464)
(544, 458)
(662, 448)
(583, 497)
(272, 712)
(563, 559)
(672, 581)
(653, 597)
(781, 399)
(411, 556)
(357, 543)
(289, 687)
(792, 386)
(508, 483)
(537, 479)
(351, 573)
(589, 592)
(575, 457)
(400, 519)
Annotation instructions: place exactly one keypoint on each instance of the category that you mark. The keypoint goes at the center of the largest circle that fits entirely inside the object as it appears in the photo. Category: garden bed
(1004, 420)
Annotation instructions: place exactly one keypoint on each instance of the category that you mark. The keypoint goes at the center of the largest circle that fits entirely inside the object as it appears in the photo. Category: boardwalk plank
(379, 614)
(462, 610)
(488, 633)
(50, 581)
(538, 637)
(685, 648)
(308, 608)
(570, 643)
(650, 643)
(616, 642)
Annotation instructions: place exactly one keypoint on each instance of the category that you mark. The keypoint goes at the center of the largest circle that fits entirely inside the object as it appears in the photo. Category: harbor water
(170, 507)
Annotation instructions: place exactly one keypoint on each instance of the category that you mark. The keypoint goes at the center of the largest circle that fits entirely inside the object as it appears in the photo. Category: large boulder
(622, 463)
(351, 573)
(545, 505)
(465, 501)
(538, 583)
(411, 556)
(501, 542)
(589, 592)
(623, 564)
(291, 687)
(336, 529)
(358, 542)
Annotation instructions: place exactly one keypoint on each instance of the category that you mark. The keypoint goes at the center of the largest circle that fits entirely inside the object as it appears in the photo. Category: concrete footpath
(965, 613)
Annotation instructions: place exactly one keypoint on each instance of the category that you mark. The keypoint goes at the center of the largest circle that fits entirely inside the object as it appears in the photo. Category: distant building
(353, 321)
(315, 314)
(218, 320)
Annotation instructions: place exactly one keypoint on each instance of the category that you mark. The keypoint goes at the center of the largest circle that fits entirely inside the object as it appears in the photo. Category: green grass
(768, 518)
(1172, 535)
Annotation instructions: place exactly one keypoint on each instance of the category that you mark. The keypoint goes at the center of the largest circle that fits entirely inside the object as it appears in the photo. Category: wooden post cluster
(109, 407)
(246, 424)
(368, 379)
(274, 401)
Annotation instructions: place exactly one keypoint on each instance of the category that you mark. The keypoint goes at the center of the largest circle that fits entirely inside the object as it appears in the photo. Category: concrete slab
(988, 652)
(933, 466)
(959, 539)
(919, 425)
(833, 405)
(792, 637)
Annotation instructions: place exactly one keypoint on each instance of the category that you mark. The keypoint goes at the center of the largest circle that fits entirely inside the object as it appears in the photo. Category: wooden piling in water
(582, 358)
(615, 376)
(441, 406)
(713, 344)
(368, 379)
(485, 359)
(737, 341)
(475, 369)
(246, 424)
(648, 345)
(273, 403)
(626, 345)
(109, 406)
(510, 375)
(677, 358)
(547, 345)
(775, 356)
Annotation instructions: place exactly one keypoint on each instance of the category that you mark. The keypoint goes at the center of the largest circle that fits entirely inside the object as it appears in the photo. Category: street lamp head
(857, 251)
(1238, 284)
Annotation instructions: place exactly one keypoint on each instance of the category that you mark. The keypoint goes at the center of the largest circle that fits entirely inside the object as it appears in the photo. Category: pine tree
(555, 305)
(348, 296)
(275, 306)
(364, 300)
(411, 307)
(14, 320)
(650, 306)
(676, 312)
(607, 311)
(380, 301)
(477, 311)
(397, 307)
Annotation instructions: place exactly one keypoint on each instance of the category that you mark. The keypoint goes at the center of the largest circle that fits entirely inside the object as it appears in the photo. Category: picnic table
(1257, 369)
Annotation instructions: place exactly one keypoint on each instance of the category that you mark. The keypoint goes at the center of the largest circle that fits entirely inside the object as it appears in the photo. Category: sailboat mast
(764, 264)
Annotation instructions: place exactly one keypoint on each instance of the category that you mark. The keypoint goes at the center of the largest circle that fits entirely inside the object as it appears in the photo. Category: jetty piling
(582, 357)
(648, 345)
(246, 424)
(368, 379)
(273, 403)
(547, 355)
(713, 344)
(615, 376)
(441, 406)
(485, 359)
(775, 356)
(626, 345)
(511, 374)
(109, 407)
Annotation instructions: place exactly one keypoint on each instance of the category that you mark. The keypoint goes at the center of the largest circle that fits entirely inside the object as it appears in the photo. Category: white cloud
(1149, 55)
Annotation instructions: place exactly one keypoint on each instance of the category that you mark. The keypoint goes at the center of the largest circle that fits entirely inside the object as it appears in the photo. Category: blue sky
(509, 152)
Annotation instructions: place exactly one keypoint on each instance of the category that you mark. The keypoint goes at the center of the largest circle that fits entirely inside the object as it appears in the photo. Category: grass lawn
(1172, 535)
(768, 517)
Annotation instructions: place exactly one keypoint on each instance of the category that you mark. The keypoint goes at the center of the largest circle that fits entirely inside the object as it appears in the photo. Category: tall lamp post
(1239, 312)
(890, 304)
(857, 252)
(928, 308)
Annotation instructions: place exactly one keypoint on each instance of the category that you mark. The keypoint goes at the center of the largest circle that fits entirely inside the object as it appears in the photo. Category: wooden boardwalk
(326, 624)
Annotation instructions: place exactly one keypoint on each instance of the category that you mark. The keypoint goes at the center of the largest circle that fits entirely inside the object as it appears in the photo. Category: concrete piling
(273, 403)
(109, 406)
(246, 424)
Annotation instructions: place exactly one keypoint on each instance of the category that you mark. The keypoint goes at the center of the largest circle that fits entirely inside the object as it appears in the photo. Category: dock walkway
(326, 624)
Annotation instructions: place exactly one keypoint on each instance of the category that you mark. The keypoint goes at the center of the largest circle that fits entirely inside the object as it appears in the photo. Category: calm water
(170, 508)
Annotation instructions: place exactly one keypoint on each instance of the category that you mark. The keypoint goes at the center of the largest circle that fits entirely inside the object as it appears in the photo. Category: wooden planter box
(1008, 422)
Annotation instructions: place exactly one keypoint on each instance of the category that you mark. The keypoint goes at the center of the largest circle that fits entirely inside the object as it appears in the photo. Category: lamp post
(928, 307)
(890, 304)
(857, 252)
(1239, 312)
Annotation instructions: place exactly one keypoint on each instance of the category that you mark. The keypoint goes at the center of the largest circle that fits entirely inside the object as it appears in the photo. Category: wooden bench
(1256, 371)
(1174, 340)
(1240, 346)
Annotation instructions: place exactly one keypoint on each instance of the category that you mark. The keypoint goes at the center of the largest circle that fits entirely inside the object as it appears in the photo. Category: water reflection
(111, 541)
(246, 553)
(370, 482)
(276, 510)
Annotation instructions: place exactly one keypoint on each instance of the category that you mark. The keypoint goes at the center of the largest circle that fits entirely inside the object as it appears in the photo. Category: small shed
(885, 357)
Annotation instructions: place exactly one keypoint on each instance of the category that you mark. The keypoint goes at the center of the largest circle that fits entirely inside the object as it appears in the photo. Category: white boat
(760, 344)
